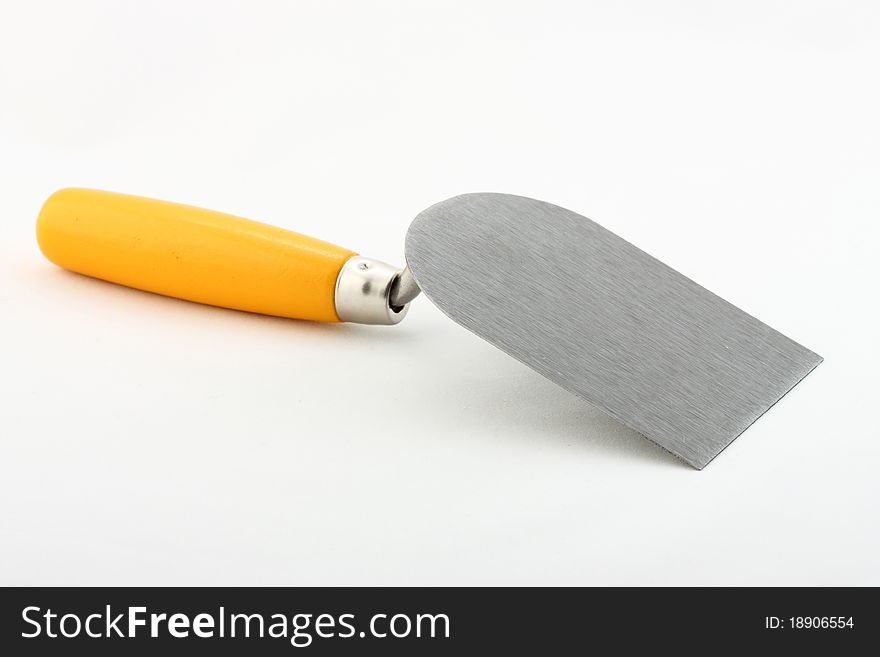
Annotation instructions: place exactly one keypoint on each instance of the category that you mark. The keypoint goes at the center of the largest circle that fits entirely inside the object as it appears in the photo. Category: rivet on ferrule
(363, 292)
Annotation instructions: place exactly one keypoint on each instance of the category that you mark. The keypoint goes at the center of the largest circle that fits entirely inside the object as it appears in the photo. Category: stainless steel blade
(603, 319)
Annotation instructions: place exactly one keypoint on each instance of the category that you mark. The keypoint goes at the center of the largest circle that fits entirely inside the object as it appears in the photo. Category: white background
(145, 440)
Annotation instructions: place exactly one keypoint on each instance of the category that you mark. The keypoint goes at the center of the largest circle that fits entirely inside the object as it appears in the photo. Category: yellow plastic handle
(190, 253)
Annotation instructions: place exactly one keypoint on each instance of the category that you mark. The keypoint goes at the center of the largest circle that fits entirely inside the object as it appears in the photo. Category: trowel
(558, 292)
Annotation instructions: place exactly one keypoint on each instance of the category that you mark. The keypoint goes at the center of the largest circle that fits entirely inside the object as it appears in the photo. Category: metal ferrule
(363, 292)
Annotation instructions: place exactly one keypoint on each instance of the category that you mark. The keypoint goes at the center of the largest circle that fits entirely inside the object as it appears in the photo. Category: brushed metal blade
(603, 319)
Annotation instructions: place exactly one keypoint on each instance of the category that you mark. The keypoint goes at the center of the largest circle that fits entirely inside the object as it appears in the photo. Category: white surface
(152, 441)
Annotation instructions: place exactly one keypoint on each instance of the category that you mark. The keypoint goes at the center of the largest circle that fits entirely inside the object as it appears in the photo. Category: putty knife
(573, 301)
